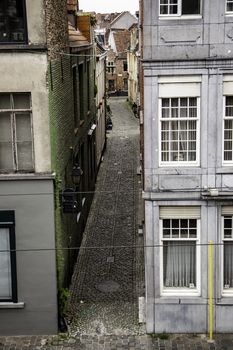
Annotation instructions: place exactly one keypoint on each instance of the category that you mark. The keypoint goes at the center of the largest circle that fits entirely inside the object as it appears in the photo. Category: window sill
(178, 164)
(10, 305)
(181, 17)
(181, 300)
(180, 293)
(21, 46)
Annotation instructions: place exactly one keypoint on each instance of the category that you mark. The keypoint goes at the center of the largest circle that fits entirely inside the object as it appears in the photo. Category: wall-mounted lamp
(69, 202)
(76, 175)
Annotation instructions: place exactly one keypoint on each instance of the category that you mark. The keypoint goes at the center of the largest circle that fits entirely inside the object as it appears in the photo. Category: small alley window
(12, 21)
(229, 5)
(180, 7)
(8, 290)
(111, 85)
(228, 130)
(16, 146)
(227, 236)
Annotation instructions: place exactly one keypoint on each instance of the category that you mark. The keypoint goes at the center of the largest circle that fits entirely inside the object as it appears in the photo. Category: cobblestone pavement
(103, 310)
(104, 293)
(117, 342)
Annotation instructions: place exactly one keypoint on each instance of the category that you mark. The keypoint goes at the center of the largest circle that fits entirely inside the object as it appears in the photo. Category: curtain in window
(5, 264)
(228, 265)
(179, 262)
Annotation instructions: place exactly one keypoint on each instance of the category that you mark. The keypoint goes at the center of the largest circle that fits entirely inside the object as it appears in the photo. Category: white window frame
(179, 13)
(178, 163)
(230, 13)
(226, 162)
(13, 113)
(168, 291)
(226, 292)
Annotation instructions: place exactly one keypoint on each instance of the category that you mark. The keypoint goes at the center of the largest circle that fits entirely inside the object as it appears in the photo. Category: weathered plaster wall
(26, 72)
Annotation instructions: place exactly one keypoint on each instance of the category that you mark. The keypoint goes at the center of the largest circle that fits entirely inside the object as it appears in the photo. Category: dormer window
(12, 21)
(180, 7)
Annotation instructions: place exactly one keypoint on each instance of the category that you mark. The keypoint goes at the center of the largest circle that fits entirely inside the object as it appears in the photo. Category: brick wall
(62, 140)
(56, 27)
(67, 140)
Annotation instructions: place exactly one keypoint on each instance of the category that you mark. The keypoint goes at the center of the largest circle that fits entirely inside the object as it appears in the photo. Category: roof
(76, 38)
(133, 19)
(122, 42)
(99, 49)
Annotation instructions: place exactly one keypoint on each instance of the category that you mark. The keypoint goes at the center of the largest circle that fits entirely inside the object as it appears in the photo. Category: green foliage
(95, 90)
(93, 20)
(63, 296)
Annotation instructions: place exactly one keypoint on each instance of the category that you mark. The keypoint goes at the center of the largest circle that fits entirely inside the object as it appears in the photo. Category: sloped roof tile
(122, 42)
(76, 38)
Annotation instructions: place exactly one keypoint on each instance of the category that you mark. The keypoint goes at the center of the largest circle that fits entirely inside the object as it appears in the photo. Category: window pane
(192, 223)
(184, 233)
(179, 264)
(23, 127)
(24, 155)
(5, 127)
(173, 9)
(24, 143)
(227, 227)
(190, 7)
(5, 101)
(6, 154)
(163, 10)
(228, 265)
(21, 101)
(166, 223)
(5, 265)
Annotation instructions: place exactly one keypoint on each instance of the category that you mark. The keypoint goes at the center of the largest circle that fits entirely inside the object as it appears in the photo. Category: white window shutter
(180, 212)
(227, 210)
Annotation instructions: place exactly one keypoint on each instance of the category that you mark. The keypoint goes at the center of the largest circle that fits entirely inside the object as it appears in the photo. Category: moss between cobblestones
(164, 336)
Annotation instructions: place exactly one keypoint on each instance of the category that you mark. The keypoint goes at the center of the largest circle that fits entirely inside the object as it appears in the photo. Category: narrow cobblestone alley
(104, 293)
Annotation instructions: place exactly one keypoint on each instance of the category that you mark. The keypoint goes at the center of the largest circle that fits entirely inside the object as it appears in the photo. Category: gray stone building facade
(188, 163)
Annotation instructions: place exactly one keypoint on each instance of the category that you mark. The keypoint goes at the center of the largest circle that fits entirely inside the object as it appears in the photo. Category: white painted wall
(26, 72)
